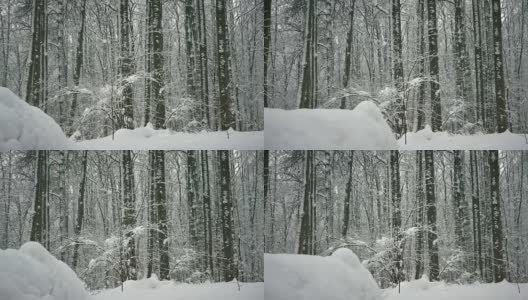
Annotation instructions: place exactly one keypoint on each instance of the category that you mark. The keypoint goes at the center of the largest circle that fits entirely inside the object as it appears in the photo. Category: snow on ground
(25, 127)
(426, 139)
(32, 273)
(328, 129)
(146, 138)
(303, 277)
(423, 289)
(166, 290)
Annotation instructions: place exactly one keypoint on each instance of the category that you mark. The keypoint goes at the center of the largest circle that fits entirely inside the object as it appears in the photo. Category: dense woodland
(98, 66)
(456, 216)
(456, 66)
(121, 215)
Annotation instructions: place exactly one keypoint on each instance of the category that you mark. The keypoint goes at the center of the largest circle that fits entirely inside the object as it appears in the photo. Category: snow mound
(147, 138)
(302, 277)
(426, 139)
(423, 289)
(32, 273)
(152, 288)
(363, 128)
(25, 127)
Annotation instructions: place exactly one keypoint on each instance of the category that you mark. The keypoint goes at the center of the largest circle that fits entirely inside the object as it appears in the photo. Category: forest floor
(166, 290)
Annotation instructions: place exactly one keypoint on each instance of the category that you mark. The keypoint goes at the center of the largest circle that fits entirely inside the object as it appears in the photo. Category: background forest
(112, 216)
(458, 66)
(456, 216)
(98, 66)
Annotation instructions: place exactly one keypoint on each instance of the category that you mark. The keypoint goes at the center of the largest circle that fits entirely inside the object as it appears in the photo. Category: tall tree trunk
(129, 214)
(348, 195)
(161, 203)
(461, 56)
(80, 210)
(399, 122)
(348, 53)
(306, 236)
(40, 217)
(78, 67)
(396, 212)
(229, 266)
(420, 215)
(436, 106)
(500, 85)
(420, 107)
(227, 105)
(266, 192)
(155, 64)
(308, 86)
(36, 84)
(432, 236)
(267, 43)
(126, 67)
(499, 267)
(475, 203)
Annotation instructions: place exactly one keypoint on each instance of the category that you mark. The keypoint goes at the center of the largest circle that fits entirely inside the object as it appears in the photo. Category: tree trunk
(499, 267)
(78, 68)
(436, 114)
(129, 214)
(230, 269)
(432, 242)
(126, 67)
(348, 195)
(80, 210)
(420, 215)
(500, 86)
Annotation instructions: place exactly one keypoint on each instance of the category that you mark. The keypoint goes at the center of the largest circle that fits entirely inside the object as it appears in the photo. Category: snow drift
(152, 288)
(363, 128)
(426, 139)
(302, 277)
(423, 289)
(25, 127)
(147, 138)
(32, 273)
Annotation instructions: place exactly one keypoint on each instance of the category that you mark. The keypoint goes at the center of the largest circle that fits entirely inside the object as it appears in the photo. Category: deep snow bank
(32, 273)
(423, 289)
(363, 128)
(426, 139)
(303, 277)
(146, 138)
(25, 127)
(166, 290)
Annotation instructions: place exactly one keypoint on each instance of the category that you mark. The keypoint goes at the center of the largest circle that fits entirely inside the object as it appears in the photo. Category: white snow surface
(362, 128)
(147, 138)
(423, 289)
(303, 277)
(152, 288)
(32, 273)
(426, 139)
(25, 127)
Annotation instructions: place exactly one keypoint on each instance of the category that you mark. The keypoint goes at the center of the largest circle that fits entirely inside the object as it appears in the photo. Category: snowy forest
(97, 67)
(452, 216)
(443, 66)
(191, 217)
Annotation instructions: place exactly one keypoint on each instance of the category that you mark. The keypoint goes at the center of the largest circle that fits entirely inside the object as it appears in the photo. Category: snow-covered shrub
(183, 117)
(185, 269)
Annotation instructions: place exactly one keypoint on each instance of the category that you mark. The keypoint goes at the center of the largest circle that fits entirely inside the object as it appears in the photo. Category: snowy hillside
(362, 128)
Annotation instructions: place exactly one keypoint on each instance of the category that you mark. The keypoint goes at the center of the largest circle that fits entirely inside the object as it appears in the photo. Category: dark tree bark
(36, 84)
(266, 191)
(129, 214)
(306, 237)
(229, 266)
(420, 107)
(80, 210)
(40, 220)
(78, 68)
(348, 53)
(475, 203)
(500, 86)
(396, 212)
(227, 106)
(432, 242)
(348, 195)
(309, 85)
(126, 66)
(420, 215)
(267, 43)
(206, 189)
(399, 122)
(161, 203)
(436, 114)
(499, 267)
